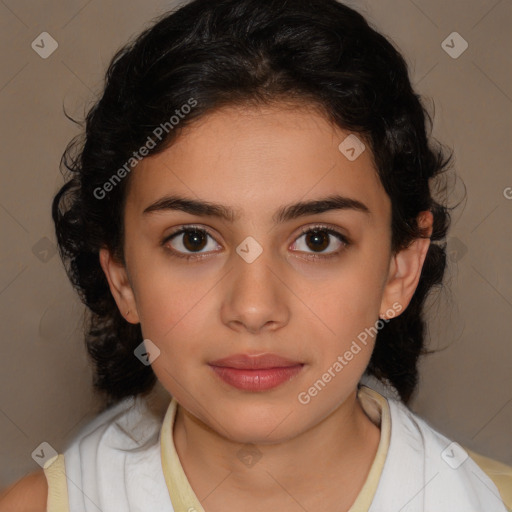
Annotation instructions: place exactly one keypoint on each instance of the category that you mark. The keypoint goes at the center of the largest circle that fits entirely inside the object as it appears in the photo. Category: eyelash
(199, 256)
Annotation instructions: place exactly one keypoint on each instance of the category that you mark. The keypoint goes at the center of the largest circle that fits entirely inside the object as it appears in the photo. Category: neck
(334, 457)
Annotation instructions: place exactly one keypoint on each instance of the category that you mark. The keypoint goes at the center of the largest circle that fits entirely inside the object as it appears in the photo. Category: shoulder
(117, 459)
(455, 476)
(29, 494)
(498, 472)
(127, 425)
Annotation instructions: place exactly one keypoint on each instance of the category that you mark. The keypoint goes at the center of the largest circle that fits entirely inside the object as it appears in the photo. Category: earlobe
(405, 269)
(119, 285)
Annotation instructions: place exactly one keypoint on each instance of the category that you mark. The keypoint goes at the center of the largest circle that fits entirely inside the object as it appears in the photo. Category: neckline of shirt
(183, 497)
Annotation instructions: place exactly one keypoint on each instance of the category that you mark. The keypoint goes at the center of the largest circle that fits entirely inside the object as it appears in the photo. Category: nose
(255, 296)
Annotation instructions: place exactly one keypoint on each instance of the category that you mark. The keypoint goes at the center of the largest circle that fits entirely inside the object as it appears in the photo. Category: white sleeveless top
(125, 460)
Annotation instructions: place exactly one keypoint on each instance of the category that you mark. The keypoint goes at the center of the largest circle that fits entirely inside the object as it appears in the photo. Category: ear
(120, 286)
(405, 270)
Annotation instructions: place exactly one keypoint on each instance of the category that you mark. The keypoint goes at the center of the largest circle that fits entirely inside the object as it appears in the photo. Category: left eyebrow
(283, 214)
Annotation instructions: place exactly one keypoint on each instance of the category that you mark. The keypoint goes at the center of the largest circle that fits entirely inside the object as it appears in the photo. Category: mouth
(256, 372)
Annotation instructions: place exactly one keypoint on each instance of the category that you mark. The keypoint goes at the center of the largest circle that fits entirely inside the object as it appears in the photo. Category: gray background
(45, 391)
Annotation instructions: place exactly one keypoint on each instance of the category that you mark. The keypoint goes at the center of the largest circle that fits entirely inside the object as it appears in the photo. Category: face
(301, 283)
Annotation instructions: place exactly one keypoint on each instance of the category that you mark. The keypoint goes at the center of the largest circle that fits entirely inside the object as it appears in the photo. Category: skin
(255, 160)
(29, 494)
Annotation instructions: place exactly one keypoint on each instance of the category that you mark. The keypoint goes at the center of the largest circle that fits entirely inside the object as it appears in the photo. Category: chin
(257, 425)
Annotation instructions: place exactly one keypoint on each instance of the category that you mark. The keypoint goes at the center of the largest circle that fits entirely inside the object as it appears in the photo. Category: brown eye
(318, 239)
(189, 241)
(194, 240)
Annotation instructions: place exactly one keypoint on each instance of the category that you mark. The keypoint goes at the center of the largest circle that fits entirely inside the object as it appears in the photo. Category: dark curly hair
(226, 52)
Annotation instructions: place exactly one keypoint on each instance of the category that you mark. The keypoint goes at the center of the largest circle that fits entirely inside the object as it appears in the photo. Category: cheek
(348, 308)
(365, 284)
(170, 295)
(351, 300)
(166, 305)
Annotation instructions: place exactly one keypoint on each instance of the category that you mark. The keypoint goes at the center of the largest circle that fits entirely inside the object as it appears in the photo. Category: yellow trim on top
(55, 472)
(182, 496)
(365, 497)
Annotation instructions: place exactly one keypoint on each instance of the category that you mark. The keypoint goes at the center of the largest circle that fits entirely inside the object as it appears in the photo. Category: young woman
(250, 221)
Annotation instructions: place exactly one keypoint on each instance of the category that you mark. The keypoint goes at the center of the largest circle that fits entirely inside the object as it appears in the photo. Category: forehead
(256, 159)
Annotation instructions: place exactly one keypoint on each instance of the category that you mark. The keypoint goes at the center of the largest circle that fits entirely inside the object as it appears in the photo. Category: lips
(254, 362)
(255, 372)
